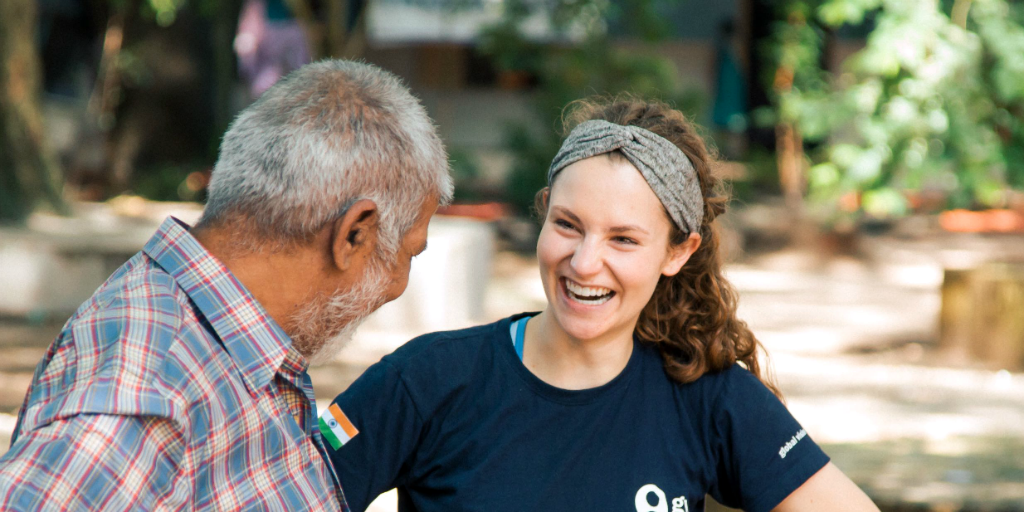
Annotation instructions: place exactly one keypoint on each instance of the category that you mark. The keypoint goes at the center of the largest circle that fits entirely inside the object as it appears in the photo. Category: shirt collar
(255, 342)
(294, 362)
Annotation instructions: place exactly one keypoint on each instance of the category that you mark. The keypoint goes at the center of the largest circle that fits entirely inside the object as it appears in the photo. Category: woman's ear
(540, 203)
(678, 255)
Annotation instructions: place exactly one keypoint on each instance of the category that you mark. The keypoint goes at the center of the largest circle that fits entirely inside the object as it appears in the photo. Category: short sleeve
(379, 405)
(762, 452)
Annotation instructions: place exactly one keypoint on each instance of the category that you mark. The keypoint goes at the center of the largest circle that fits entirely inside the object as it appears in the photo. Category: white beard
(328, 323)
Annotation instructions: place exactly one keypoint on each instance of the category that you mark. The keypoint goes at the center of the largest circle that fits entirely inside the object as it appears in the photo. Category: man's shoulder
(116, 355)
(140, 307)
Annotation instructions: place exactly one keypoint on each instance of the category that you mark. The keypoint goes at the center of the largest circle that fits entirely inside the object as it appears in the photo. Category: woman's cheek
(553, 247)
(633, 271)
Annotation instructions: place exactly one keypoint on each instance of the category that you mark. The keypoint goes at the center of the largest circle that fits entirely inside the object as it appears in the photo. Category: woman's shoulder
(440, 367)
(733, 383)
(735, 375)
(451, 348)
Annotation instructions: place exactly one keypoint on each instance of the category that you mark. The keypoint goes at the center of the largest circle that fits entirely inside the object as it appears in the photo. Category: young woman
(636, 389)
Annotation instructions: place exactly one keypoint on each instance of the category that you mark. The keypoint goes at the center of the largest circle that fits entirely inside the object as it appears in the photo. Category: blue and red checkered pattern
(170, 389)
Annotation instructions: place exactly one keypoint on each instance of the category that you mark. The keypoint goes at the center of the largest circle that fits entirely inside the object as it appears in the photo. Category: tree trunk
(981, 316)
(790, 154)
(224, 65)
(337, 26)
(303, 12)
(29, 174)
(106, 96)
(346, 28)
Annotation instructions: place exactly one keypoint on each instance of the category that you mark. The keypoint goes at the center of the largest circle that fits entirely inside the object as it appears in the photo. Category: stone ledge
(53, 264)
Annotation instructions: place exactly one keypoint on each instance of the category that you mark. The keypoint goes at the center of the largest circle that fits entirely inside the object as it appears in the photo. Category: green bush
(934, 102)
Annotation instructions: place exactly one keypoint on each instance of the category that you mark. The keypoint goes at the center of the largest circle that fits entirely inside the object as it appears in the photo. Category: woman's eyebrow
(617, 229)
(628, 228)
(565, 211)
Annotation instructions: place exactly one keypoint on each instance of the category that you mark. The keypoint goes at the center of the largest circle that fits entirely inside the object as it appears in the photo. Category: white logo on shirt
(792, 442)
(644, 505)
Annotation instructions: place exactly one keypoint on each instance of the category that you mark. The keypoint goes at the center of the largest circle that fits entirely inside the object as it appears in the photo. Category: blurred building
(432, 44)
(715, 46)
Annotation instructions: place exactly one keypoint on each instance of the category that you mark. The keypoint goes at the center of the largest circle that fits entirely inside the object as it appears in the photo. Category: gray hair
(323, 137)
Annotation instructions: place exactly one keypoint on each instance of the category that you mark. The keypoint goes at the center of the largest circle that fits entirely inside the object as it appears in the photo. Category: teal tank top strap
(518, 333)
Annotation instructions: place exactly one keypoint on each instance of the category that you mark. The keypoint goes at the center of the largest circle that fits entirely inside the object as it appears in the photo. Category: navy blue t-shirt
(456, 422)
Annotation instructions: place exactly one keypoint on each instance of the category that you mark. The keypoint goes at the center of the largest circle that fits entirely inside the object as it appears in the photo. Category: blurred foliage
(35, 177)
(28, 176)
(761, 180)
(169, 182)
(584, 63)
(465, 168)
(933, 104)
(141, 37)
(165, 12)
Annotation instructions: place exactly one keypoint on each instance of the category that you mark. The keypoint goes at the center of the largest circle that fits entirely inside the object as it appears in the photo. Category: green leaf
(884, 202)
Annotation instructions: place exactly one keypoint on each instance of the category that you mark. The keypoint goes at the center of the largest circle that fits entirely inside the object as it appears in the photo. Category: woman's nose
(586, 260)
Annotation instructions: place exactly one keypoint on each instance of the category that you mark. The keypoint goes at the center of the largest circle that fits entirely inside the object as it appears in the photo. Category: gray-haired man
(181, 384)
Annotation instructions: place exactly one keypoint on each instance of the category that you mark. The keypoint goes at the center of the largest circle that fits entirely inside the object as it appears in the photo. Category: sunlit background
(874, 149)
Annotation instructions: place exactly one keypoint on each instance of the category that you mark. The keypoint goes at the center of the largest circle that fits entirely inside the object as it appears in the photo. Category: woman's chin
(582, 328)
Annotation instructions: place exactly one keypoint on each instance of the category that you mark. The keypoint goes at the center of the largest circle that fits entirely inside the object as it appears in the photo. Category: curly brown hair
(691, 316)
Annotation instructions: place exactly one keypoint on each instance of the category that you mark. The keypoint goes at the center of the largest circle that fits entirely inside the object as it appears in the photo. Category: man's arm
(95, 462)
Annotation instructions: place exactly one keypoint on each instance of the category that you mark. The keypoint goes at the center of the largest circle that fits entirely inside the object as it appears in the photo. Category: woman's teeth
(588, 295)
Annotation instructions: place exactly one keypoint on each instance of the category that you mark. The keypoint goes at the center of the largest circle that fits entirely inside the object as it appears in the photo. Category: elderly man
(181, 384)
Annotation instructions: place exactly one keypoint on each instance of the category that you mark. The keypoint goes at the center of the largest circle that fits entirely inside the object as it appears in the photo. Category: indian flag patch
(336, 427)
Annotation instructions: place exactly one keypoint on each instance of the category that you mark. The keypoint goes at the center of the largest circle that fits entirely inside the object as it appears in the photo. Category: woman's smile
(586, 295)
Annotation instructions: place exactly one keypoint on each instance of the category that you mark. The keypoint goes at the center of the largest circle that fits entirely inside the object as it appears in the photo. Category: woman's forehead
(608, 189)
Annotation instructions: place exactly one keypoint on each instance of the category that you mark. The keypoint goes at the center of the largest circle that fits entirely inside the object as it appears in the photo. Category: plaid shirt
(170, 389)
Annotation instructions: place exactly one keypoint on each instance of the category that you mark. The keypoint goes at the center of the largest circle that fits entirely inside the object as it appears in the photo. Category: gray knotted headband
(666, 169)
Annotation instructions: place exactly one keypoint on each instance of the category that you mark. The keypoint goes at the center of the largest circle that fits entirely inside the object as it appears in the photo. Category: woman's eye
(564, 224)
(625, 240)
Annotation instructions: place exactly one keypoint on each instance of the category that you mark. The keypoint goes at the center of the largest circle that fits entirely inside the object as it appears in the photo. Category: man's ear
(354, 236)
(678, 255)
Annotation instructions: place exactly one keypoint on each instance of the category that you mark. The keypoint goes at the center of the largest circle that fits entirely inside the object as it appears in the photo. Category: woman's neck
(566, 362)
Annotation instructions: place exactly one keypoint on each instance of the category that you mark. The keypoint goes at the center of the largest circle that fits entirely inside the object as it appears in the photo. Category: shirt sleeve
(94, 462)
(762, 453)
(378, 458)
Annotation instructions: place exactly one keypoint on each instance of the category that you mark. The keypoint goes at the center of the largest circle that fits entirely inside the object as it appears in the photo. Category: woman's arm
(828, 490)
